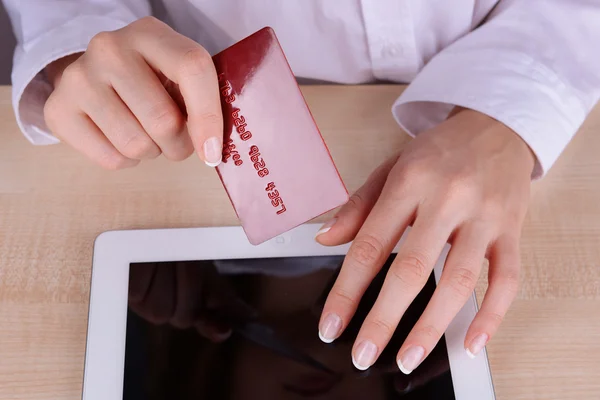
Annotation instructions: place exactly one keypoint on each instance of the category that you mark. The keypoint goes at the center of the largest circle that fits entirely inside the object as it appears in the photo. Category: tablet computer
(203, 314)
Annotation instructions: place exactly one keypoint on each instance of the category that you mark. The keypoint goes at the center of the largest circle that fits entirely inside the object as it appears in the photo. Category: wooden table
(53, 203)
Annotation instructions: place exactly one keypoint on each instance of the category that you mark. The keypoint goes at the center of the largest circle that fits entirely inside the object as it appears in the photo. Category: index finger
(367, 254)
(190, 66)
(405, 279)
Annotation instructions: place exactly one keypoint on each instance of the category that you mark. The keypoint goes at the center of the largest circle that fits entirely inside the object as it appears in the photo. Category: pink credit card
(276, 167)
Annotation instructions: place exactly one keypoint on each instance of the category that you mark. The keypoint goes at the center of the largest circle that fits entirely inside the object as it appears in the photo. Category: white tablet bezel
(114, 251)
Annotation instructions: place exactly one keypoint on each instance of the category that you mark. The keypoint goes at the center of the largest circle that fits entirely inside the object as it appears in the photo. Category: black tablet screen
(247, 329)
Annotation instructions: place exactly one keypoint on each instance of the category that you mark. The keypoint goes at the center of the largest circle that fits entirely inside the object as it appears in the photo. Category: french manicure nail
(477, 345)
(327, 227)
(410, 359)
(330, 328)
(212, 152)
(364, 355)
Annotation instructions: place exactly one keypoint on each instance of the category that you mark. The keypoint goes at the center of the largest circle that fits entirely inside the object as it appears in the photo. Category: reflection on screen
(247, 329)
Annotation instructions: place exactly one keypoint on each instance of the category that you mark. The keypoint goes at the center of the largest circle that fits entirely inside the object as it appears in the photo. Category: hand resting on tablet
(466, 181)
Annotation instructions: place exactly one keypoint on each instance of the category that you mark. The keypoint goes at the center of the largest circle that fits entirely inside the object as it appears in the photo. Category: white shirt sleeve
(47, 30)
(534, 65)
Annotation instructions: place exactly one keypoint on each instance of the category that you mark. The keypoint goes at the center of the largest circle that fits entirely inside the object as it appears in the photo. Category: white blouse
(532, 64)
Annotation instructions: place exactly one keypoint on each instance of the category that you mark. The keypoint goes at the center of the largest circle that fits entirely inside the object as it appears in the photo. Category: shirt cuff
(30, 87)
(510, 87)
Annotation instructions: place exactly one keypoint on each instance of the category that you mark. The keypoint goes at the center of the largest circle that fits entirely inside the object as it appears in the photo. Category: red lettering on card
(253, 150)
(239, 121)
(246, 135)
(260, 164)
(263, 172)
(275, 197)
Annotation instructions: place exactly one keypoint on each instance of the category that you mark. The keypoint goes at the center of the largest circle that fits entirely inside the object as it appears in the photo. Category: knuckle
(448, 212)
(343, 296)
(462, 281)
(413, 169)
(430, 331)
(383, 326)
(138, 147)
(404, 177)
(180, 154)
(366, 251)
(355, 202)
(411, 270)
(113, 162)
(195, 61)
(165, 121)
(461, 187)
(493, 209)
(75, 75)
(495, 317)
(452, 198)
(211, 119)
(104, 42)
(146, 22)
(398, 191)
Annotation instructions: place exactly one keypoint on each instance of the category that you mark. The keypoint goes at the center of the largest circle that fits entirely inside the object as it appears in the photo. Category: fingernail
(212, 152)
(477, 345)
(410, 359)
(327, 227)
(364, 355)
(330, 328)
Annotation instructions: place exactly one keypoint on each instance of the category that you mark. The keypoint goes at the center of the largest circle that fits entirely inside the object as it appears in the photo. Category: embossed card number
(276, 168)
(230, 149)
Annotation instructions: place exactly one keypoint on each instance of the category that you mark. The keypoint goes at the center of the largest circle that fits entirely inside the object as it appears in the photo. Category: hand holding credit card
(276, 167)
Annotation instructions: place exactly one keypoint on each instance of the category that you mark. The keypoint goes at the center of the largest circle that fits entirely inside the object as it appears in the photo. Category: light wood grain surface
(53, 203)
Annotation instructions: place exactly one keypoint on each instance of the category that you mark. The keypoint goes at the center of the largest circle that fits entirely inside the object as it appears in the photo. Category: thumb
(345, 225)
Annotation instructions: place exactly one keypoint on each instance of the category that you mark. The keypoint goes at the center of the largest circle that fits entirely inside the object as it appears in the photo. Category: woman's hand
(136, 93)
(466, 181)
